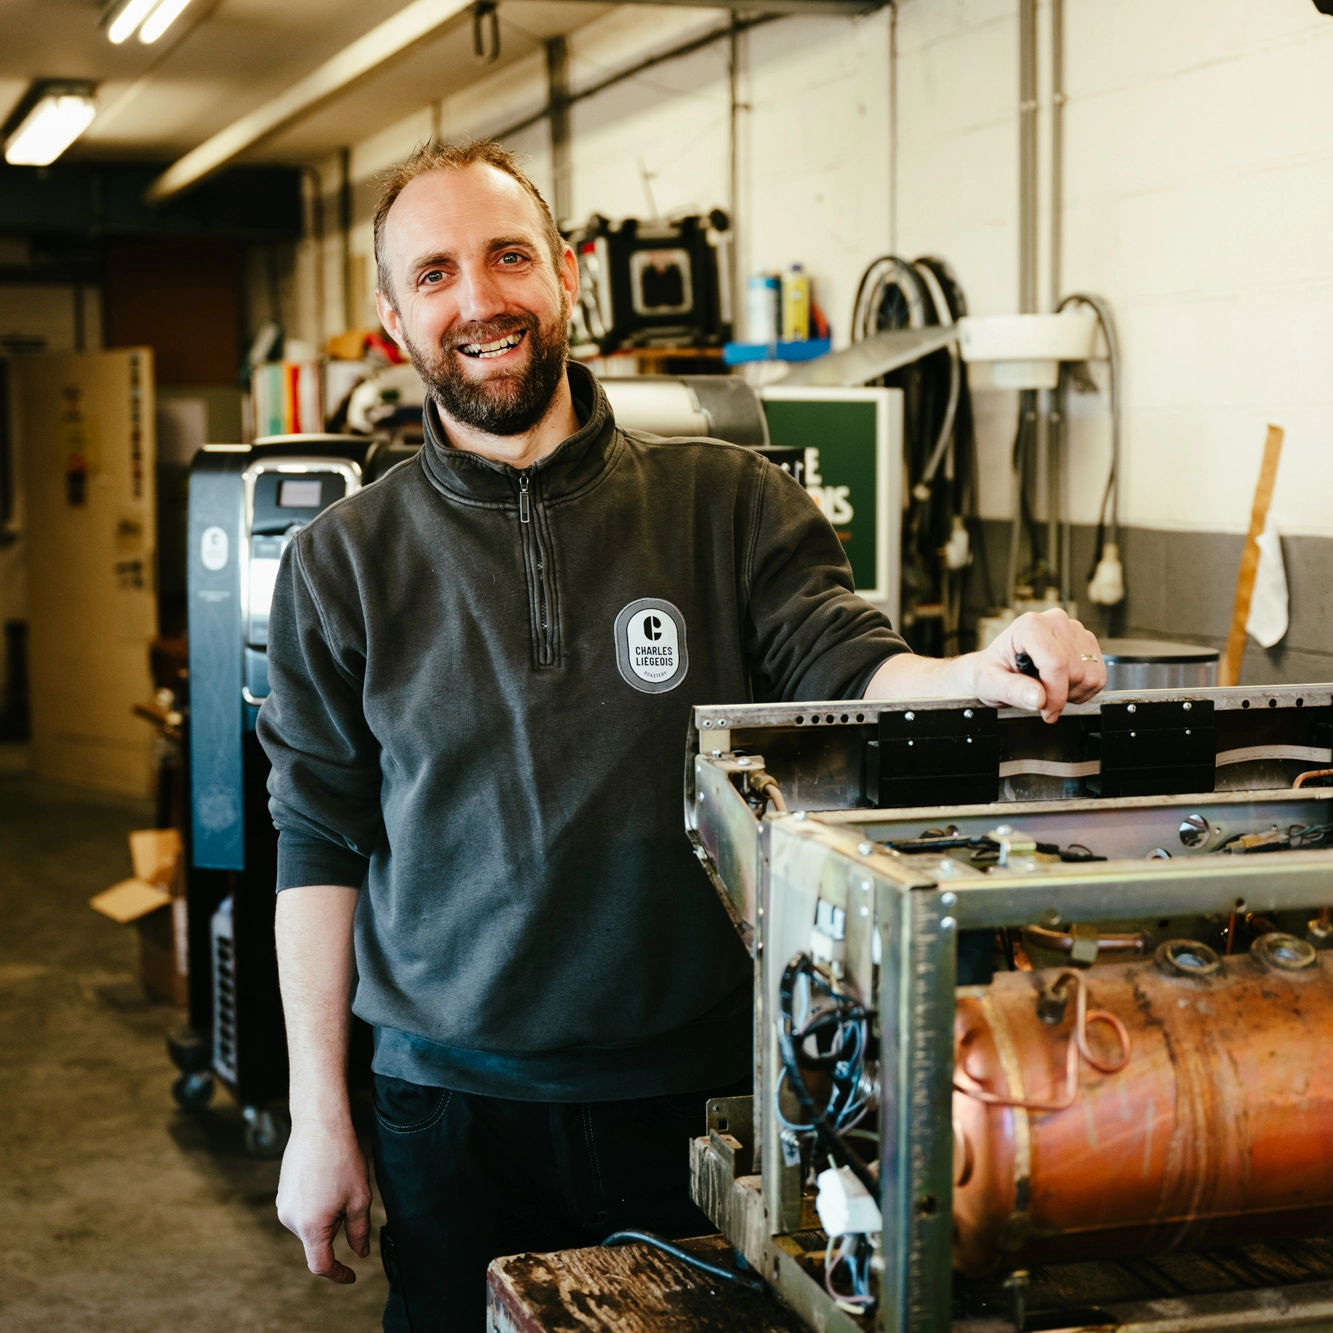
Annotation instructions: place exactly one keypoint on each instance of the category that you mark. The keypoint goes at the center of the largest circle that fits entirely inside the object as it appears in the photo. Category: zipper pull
(524, 502)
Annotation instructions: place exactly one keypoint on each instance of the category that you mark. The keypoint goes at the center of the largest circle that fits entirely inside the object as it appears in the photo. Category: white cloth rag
(1268, 605)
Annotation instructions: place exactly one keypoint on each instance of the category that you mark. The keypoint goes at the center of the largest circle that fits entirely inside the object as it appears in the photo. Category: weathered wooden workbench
(627, 1289)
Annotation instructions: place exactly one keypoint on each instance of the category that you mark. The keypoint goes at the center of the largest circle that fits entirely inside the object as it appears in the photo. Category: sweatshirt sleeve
(809, 636)
(324, 787)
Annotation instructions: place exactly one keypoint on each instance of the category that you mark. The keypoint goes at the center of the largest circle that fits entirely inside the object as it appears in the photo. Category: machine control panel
(282, 496)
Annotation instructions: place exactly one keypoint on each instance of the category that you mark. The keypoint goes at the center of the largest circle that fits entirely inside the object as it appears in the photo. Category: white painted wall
(1199, 198)
(813, 159)
(1199, 201)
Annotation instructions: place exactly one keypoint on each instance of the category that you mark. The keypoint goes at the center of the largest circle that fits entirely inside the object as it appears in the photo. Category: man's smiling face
(478, 301)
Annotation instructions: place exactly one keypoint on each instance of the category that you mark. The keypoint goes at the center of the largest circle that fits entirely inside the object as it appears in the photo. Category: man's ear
(389, 317)
(569, 278)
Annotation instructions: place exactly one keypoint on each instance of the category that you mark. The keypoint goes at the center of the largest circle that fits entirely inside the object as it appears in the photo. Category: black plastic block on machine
(1155, 749)
(935, 756)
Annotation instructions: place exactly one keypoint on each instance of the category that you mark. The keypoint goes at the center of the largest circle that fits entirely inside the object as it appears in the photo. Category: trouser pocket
(408, 1108)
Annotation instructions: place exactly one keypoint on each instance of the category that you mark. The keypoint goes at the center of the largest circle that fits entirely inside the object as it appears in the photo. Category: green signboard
(851, 443)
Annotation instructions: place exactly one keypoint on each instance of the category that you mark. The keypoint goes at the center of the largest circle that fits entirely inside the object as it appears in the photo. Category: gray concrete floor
(118, 1211)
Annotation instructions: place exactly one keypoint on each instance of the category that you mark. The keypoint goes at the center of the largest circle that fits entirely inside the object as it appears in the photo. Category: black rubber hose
(746, 1278)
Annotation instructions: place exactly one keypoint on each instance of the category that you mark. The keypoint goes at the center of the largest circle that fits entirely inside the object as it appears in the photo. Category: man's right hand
(325, 1185)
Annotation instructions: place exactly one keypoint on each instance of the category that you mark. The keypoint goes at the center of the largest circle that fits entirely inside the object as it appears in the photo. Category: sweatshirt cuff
(305, 860)
(845, 670)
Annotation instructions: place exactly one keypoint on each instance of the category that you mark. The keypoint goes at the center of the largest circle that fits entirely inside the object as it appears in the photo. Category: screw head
(1188, 706)
(743, 761)
(865, 911)
(947, 923)
(865, 848)
(1133, 708)
(967, 712)
(910, 717)
(722, 722)
(948, 898)
(705, 724)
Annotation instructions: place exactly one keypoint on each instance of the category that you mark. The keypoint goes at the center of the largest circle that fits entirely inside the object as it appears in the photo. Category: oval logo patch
(213, 549)
(651, 652)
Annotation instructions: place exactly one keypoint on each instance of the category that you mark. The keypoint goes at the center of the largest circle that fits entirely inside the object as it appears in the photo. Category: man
(477, 790)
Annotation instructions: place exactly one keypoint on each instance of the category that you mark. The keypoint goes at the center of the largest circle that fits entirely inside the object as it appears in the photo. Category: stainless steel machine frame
(902, 916)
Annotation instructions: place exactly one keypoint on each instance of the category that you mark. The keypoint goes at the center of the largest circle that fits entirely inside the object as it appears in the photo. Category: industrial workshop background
(1033, 297)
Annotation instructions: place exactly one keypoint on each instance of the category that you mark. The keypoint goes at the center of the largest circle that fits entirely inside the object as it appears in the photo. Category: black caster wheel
(190, 1051)
(266, 1132)
(194, 1089)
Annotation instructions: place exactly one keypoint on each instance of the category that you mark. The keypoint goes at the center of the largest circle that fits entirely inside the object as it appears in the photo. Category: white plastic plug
(845, 1206)
(957, 551)
(1108, 579)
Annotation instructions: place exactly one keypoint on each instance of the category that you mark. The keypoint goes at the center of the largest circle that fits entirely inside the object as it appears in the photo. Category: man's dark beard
(507, 404)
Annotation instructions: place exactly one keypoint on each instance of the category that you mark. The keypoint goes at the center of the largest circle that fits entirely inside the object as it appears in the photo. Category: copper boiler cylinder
(1218, 1130)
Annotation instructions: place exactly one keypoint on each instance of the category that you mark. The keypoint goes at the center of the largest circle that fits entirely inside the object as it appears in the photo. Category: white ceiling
(223, 58)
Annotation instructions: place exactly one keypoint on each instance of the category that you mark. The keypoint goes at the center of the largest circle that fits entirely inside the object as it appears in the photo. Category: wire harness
(840, 1030)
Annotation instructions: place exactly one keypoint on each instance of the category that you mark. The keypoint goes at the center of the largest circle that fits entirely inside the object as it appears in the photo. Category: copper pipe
(1216, 1132)
(1137, 944)
(1313, 773)
(1078, 1046)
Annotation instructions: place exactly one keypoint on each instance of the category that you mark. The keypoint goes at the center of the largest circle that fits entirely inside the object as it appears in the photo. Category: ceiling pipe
(417, 23)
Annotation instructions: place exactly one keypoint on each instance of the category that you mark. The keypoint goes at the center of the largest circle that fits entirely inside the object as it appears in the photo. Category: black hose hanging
(938, 441)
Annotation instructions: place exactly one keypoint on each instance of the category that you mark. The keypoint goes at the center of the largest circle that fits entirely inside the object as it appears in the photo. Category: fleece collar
(572, 466)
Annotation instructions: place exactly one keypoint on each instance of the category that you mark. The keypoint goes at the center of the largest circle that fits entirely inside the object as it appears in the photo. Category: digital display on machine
(299, 494)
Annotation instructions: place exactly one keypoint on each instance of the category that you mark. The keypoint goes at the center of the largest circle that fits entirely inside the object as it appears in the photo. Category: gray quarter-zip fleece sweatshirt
(481, 683)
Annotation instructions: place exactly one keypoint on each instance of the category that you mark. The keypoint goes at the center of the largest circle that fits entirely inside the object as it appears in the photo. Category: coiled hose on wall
(940, 525)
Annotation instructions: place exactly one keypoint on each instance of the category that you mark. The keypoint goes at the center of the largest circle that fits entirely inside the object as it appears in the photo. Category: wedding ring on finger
(1088, 657)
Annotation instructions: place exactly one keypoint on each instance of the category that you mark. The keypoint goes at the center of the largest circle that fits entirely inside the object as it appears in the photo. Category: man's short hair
(453, 157)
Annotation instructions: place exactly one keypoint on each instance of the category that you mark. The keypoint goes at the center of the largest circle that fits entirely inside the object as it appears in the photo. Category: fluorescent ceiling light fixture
(54, 122)
(161, 19)
(415, 23)
(129, 18)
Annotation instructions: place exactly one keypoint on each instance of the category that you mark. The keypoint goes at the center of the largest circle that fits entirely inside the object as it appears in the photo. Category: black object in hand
(1026, 666)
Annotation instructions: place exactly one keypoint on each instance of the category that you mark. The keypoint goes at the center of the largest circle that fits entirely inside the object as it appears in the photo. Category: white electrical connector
(845, 1206)
(1108, 580)
(957, 551)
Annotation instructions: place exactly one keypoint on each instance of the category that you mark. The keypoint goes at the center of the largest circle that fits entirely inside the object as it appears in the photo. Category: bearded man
(478, 797)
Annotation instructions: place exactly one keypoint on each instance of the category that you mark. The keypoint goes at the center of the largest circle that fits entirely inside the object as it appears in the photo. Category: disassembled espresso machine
(1044, 1013)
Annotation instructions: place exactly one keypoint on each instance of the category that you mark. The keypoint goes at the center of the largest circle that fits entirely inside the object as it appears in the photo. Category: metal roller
(1216, 1129)
(721, 406)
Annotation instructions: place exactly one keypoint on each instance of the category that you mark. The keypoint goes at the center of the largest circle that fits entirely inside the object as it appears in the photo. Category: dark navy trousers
(466, 1179)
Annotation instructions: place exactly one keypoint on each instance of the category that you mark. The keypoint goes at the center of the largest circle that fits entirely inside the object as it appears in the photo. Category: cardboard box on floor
(155, 901)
